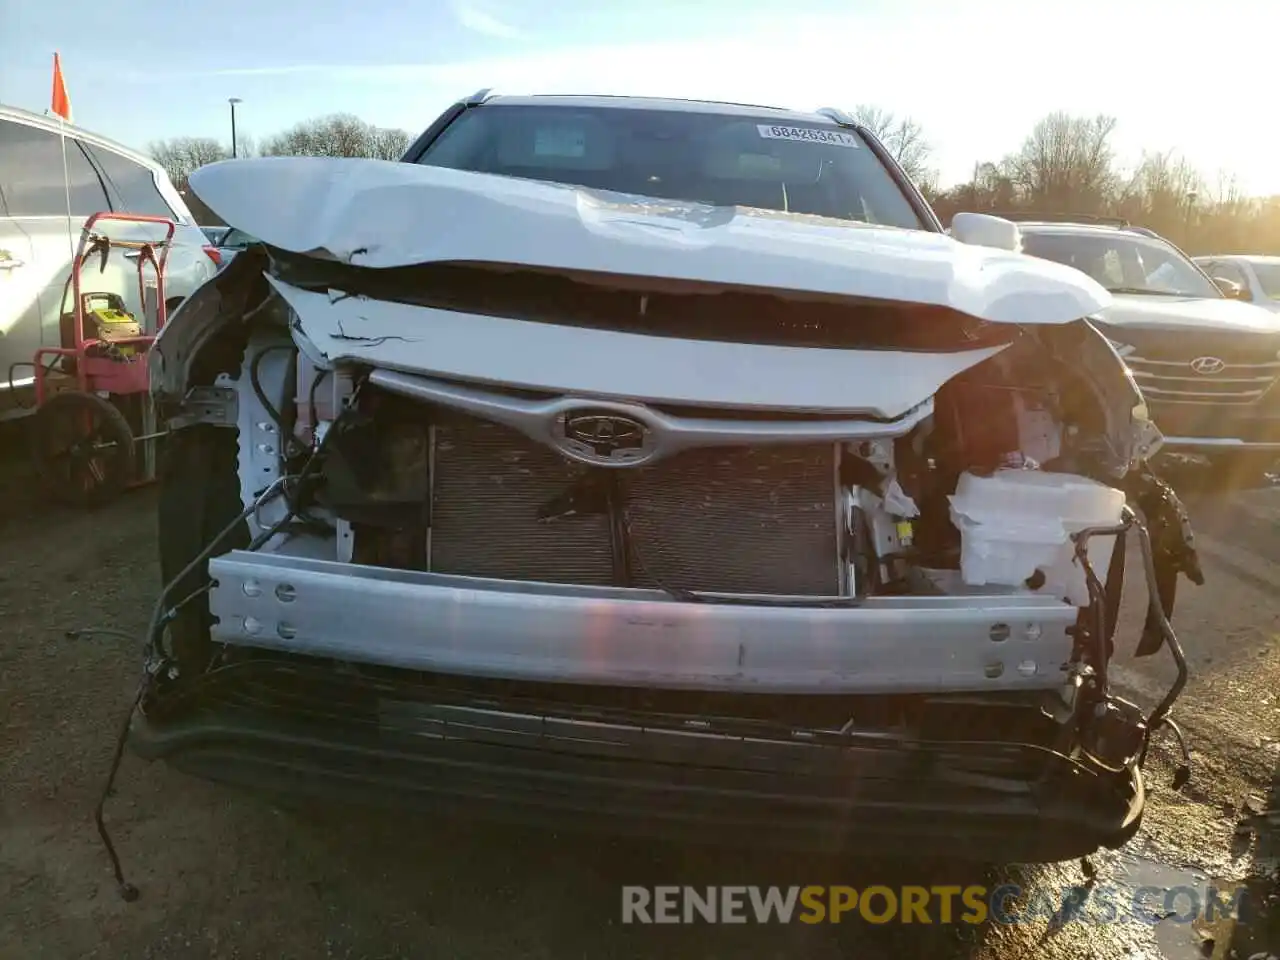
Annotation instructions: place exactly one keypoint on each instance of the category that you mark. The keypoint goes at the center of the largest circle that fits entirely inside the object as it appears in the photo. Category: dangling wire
(157, 659)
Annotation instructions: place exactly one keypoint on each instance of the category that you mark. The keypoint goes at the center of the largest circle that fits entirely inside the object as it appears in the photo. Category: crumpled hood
(1189, 314)
(375, 213)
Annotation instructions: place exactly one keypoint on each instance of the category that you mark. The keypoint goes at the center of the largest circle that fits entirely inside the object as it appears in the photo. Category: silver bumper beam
(534, 631)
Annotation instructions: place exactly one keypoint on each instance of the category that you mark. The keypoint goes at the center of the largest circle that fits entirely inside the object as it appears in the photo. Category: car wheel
(199, 497)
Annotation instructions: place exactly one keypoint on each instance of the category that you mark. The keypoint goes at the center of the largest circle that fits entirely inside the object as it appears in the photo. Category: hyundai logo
(1207, 366)
(603, 436)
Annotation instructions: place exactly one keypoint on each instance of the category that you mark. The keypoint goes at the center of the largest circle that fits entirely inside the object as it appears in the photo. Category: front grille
(732, 520)
(488, 485)
(1176, 381)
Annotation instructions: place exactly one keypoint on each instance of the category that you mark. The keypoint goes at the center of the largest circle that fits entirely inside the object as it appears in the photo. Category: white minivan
(37, 238)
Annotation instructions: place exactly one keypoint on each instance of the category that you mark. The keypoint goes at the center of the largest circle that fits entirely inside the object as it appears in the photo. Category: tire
(82, 448)
(199, 497)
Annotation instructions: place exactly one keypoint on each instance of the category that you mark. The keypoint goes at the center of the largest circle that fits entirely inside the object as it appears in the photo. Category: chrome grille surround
(1176, 381)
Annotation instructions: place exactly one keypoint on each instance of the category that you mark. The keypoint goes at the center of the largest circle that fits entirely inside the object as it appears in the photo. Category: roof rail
(841, 117)
(1027, 215)
(479, 97)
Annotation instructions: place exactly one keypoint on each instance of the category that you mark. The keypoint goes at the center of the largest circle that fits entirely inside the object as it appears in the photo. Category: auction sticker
(836, 138)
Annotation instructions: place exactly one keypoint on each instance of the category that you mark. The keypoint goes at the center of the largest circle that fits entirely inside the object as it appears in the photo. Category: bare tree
(339, 135)
(929, 187)
(903, 137)
(1066, 163)
(390, 143)
(1162, 194)
(181, 156)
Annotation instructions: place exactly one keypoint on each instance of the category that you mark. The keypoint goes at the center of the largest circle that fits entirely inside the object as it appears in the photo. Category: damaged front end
(783, 565)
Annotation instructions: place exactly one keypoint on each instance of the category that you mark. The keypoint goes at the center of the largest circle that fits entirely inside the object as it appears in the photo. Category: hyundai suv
(1206, 362)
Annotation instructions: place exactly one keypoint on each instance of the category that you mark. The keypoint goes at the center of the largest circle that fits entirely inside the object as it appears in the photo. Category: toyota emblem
(603, 436)
(1207, 366)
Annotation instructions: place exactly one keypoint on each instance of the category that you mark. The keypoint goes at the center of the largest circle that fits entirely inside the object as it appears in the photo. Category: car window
(1228, 271)
(236, 239)
(31, 181)
(720, 159)
(134, 183)
(1268, 275)
(1123, 262)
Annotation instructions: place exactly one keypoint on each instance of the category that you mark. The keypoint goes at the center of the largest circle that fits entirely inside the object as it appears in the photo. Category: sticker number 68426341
(836, 138)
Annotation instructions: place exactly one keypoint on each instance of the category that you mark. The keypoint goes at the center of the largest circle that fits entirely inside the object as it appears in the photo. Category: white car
(229, 242)
(653, 464)
(37, 237)
(1257, 276)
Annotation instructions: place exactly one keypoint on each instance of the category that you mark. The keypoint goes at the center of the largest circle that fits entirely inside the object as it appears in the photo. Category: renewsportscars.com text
(975, 904)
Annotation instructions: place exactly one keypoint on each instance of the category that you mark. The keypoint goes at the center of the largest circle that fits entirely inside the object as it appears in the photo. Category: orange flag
(61, 102)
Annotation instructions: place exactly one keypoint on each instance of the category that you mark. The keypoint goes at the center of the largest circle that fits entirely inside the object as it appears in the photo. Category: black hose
(128, 892)
(258, 392)
(15, 366)
(311, 398)
(289, 414)
(289, 444)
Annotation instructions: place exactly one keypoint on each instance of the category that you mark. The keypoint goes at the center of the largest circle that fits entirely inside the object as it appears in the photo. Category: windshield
(236, 239)
(720, 159)
(1123, 263)
(1268, 275)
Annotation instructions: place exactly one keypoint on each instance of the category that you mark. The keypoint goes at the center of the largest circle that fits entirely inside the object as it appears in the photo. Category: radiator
(737, 520)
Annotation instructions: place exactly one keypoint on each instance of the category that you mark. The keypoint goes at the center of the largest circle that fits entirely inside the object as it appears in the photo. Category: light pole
(233, 101)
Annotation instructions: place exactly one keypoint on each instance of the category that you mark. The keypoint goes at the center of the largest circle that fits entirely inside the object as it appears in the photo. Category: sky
(977, 74)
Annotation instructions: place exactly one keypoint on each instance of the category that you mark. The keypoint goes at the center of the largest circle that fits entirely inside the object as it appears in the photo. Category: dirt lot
(226, 875)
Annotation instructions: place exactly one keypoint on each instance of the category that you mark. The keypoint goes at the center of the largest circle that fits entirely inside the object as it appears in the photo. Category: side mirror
(983, 230)
(1232, 289)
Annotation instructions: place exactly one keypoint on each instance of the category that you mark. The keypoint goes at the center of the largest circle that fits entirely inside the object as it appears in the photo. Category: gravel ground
(227, 875)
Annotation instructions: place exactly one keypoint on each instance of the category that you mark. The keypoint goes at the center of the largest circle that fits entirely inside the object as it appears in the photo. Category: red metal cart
(83, 444)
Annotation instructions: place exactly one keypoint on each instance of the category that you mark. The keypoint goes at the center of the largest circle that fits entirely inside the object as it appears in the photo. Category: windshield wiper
(1146, 291)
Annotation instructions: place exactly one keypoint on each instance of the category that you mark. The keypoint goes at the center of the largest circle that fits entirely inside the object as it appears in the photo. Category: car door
(43, 201)
(20, 281)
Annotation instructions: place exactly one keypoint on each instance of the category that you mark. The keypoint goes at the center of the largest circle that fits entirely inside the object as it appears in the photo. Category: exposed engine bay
(416, 472)
(426, 473)
(419, 485)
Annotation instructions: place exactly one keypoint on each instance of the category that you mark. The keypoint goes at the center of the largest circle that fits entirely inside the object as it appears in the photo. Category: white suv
(37, 237)
(639, 465)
